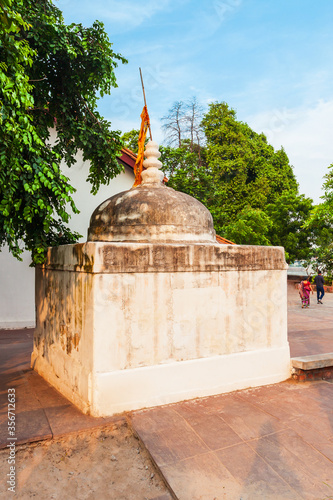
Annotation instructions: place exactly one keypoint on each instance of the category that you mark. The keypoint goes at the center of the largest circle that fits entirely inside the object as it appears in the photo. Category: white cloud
(306, 135)
(119, 16)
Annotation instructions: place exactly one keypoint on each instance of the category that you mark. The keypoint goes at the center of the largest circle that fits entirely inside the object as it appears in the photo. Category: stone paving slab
(310, 331)
(41, 412)
(271, 443)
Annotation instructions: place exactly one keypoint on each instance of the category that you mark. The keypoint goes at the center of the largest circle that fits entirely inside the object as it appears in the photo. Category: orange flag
(141, 143)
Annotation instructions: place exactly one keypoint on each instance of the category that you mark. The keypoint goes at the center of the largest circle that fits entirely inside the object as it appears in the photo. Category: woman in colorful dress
(306, 288)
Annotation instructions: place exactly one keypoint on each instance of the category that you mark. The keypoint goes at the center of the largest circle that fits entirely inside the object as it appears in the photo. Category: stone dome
(152, 212)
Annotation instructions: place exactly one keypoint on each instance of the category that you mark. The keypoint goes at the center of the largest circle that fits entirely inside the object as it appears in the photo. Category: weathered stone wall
(63, 347)
(112, 317)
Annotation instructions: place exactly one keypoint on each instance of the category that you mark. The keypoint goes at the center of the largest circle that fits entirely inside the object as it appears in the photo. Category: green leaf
(38, 92)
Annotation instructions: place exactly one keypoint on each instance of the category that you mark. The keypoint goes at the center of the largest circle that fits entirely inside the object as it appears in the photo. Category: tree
(51, 75)
(186, 171)
(322, 215)
(193, 119)
(247, 170)
(288, 213)
(130, 140)
(249, 188)
(320, 222)
(174, 124)
(251, 227)
(183, 122)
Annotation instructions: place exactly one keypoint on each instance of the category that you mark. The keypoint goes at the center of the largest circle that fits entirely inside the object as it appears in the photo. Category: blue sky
(269, 60)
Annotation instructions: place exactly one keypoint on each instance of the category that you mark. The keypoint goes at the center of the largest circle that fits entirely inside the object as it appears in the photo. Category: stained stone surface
(151, 213)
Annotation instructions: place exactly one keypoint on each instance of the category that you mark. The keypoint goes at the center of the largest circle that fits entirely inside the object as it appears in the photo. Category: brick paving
(273, 442)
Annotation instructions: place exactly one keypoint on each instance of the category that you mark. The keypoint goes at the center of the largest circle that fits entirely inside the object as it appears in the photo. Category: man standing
(319, 282)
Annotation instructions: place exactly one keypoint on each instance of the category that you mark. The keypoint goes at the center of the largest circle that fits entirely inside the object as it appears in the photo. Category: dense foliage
(321, 224)
(51, 75)
(130, 140)
(249, 188)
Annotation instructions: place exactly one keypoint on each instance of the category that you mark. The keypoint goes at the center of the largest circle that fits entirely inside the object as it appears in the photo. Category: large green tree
(246, 169)
(51, 75)
(288, 213)
(251, 226)
(249, 188)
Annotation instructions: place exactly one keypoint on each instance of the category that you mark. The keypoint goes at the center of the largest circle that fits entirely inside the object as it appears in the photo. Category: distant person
(319, 282)
(306, 289)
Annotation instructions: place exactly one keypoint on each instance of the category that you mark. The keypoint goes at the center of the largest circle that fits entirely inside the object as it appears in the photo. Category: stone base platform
(132, 389)
(122, 326)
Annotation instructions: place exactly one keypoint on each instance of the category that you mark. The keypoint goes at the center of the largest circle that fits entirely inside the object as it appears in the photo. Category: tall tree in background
(50, 77)
(193, 117)
(288, 213)
(244, 183)
(183, 122)
(246, 169)
(130, 140)
(320, 223)
(174, 124)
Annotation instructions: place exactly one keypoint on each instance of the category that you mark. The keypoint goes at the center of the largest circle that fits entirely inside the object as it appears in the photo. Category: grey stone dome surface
(152, 213)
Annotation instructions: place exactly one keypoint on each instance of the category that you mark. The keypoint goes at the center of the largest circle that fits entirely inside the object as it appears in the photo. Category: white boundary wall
(17, 279)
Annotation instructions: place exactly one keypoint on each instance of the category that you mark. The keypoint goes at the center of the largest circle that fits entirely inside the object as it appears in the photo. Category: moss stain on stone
(85, 262)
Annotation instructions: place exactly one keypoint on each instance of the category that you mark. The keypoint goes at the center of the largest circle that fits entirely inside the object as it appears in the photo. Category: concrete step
(314, 367)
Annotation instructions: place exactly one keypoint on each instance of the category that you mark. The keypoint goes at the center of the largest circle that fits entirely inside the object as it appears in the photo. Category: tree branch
(40, 80)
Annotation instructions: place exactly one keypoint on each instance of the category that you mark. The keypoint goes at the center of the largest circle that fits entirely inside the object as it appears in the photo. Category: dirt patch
(105, 464)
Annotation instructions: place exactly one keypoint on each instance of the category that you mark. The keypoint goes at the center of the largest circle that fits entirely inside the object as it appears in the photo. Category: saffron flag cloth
(141, 143)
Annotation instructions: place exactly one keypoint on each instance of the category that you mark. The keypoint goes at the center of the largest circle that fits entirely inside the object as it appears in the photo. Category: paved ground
(273, 442)
(41, 412)
(310, 331)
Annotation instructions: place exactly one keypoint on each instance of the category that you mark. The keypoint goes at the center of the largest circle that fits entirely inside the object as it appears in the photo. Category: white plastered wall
(116, 332)
(17, 279)
(186, 335)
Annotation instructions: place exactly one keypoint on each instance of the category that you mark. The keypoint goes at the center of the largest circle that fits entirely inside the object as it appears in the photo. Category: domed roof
(152, 212)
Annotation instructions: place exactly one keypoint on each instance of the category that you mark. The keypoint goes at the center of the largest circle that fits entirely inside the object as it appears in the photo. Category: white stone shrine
(152, 310)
